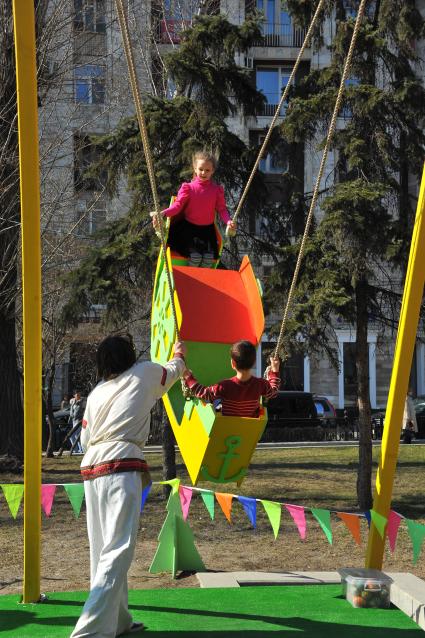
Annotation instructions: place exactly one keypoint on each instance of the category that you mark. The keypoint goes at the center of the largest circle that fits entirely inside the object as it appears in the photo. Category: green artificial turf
(306, 611)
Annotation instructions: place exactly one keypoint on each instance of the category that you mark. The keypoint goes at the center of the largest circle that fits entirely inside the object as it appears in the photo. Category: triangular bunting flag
(379, 521)
(274, 512)
(173, 483)
(145, 494)
(208, 498)
(185, 498)
(323, 517)
(75, 493)
(368, 517)
(225, 501)
(394, 521)
(47, 495)
(352, 521)
(250, 507)
(13, 495)
(298, 514)
(417, 535)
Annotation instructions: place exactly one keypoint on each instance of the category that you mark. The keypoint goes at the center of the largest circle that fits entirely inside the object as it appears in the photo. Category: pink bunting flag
(298, 514)
(394, 521)
(47, 495)
(185, 498)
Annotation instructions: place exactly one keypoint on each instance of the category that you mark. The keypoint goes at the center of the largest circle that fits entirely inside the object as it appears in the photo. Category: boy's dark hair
(114, 355)
(243, 354)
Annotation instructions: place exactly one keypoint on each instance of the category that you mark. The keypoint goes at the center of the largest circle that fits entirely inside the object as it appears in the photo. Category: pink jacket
(199, 199)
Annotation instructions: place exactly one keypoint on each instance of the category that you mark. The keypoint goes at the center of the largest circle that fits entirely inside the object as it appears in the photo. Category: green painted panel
(209, 362)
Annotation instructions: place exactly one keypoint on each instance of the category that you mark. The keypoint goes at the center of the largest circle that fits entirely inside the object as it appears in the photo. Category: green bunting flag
(208, 498)
(173, 483)
(417, 535)
(13, 495)
(323, 517)
(75, 493)
(274, 512)
(379, 521)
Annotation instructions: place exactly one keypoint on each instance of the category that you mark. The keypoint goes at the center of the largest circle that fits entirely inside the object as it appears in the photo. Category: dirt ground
(315, 477)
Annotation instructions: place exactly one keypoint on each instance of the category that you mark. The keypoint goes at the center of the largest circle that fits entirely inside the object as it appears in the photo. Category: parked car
(292, 416)
(325, 410)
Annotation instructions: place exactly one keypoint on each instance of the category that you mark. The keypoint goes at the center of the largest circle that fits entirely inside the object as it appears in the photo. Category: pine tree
(205, 74)
(361, 243)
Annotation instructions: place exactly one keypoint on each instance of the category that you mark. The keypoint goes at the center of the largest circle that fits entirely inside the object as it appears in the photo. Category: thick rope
(320, 174)
(277, 113)
(122, 18)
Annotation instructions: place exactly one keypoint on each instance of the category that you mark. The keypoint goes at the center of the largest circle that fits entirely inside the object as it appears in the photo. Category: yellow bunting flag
(173, 483)
(13, 495)
(352, 521)
(225, 501)
(274, 512)
(379, 521)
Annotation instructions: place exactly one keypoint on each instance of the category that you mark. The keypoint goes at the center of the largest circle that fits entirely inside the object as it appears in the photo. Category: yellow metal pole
(406, 337)
(26, 83)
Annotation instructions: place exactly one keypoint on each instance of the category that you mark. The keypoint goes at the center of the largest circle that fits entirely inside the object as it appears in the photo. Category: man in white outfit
(115, 428)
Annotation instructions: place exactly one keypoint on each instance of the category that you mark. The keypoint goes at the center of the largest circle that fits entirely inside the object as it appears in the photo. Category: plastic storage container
(368, 592)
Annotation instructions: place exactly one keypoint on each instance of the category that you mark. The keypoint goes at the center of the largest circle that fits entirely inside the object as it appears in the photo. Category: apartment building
(95, 96)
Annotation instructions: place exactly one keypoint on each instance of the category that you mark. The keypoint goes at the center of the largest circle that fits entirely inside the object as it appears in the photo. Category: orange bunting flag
(352, 521)
(225, 501)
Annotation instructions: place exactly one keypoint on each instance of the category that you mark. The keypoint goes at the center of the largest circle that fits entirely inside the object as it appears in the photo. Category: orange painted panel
(254, 299)
(215, 305)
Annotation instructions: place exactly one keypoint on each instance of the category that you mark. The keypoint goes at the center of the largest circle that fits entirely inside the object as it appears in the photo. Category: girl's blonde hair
(206, 156)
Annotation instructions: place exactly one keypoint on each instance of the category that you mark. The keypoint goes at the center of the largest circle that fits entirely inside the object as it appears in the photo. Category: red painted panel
(215, 305)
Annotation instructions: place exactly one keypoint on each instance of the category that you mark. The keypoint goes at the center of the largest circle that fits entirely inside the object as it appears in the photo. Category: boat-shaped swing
(214, 308)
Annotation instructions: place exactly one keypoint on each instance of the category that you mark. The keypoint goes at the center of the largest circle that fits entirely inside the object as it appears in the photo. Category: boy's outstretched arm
(205, 393)
(272, 383)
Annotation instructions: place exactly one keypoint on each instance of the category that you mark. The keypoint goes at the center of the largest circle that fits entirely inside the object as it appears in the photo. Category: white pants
(113, 510)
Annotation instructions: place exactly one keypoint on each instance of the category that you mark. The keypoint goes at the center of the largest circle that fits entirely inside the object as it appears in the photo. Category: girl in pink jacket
(194, 236)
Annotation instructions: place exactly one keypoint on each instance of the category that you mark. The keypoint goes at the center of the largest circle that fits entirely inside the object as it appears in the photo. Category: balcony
(280, 35)
(170, 30)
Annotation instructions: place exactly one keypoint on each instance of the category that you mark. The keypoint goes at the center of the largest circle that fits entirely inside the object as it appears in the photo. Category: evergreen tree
(205, 74)
(361, 244)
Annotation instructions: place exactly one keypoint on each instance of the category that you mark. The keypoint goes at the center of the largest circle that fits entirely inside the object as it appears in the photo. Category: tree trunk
(364, 477)
(11, 418)
(168, 452)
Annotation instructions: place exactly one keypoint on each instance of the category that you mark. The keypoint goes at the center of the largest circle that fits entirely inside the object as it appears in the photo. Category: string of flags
(13, 494)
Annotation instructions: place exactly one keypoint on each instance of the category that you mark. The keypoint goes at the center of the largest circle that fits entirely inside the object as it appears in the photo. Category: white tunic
(117, 418)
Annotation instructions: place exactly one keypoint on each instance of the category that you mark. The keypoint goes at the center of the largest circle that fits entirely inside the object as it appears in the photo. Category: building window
(176, 17)
(90, 16)
(346, 111)
(85, 155)
(352, 7)
(277, 28)
(276, 161)
(271, 81)
(89, 84)
(91, 217)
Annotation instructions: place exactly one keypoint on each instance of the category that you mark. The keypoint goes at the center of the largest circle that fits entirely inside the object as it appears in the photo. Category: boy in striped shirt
(240, 395)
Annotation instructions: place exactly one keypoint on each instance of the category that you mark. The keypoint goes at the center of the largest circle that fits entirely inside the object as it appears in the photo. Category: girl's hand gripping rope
(231, 229)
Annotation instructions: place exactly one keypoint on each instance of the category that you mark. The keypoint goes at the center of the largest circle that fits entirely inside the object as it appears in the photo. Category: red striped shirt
(238, 398)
